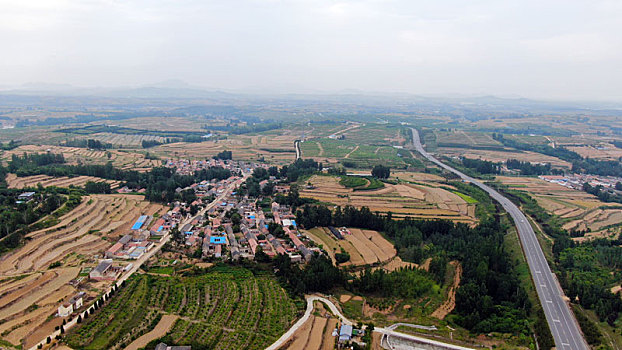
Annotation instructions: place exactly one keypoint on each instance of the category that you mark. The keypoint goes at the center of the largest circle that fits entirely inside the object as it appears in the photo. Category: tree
(381, 172)
(224, 155)
(260, 256)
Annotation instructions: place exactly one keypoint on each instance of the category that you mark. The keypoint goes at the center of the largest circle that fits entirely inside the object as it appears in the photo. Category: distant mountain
(179, 93)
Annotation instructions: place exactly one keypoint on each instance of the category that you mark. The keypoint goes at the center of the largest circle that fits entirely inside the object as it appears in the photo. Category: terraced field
(277, 148)
(404, 199)
(316, 333)
(32, 181)
(31, 291)
(80, 232)
(366, 247)
(225, 309)
(125, 140)
(129, 160)
(578, 210)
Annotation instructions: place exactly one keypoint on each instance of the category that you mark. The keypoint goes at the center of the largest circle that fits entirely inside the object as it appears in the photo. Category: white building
(74, 303)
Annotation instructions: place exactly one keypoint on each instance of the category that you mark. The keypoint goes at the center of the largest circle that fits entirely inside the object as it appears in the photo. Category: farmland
(32, 181)
(273, 147)
(125, 140)
(577, 210)
(225, 308)
(362, 155)
(502, 156)
(316, 333)
(365, 247)
(128, 160)
(32, 291)
(404, 199)
(84, 230)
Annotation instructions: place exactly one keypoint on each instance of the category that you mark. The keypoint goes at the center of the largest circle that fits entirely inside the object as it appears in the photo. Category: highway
(563, 325)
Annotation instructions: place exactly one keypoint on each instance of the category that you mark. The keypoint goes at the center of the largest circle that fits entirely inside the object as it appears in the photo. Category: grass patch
(162, 270)
(353, 181)
(466, 197)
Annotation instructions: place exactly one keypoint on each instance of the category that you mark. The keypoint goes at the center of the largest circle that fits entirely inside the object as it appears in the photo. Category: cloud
(517, 47)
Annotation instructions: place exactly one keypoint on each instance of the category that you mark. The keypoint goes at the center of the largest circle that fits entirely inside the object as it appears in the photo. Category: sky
(562, 50)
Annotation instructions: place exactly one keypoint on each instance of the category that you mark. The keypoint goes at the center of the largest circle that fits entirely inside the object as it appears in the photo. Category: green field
(466, 197)
(374, 134)
(352, 181)
(225, 308)
(361, 183)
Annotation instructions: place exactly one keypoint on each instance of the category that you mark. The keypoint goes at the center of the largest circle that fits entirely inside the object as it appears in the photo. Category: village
(227, 226)
(576, 181)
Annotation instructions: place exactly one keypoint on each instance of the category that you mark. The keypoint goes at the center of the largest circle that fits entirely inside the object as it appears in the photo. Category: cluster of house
(188, 167)
(576, 181)
(218, 235)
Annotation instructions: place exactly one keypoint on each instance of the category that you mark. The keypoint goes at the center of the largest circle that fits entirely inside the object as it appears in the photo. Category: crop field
(365, 247)
(429, 179)
(376, 134)
(27, 301)
(125, 140)
(84, 230)
(273, 148)
(577, 209)
(32, 181)
(160, 330)
(467, 139)
(326, 148)
(224, 309)
(316, 333)
(32, 291)
(362, 155)
(164, 123)
(404, 199)
(501, 156)
(604, 151)
(120, 158)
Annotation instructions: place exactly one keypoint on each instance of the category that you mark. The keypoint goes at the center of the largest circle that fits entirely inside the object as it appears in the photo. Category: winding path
(389, 331)
(564, 327)
(298, 152)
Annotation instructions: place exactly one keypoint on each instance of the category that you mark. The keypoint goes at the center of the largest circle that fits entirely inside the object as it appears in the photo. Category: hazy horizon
(567, 51)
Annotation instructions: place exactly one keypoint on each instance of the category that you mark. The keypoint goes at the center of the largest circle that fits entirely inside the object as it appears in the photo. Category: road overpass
(563, 325)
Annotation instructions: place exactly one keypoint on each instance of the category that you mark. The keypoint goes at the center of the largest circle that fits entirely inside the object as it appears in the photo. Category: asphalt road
(562, 323)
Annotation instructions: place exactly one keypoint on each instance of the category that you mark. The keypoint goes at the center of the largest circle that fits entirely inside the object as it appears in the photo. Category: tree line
(87, 143)
(17, 219)
(160, 183)
(481, 166)
(527, 168)
(602, 193)
(490, 297)
(579, 164)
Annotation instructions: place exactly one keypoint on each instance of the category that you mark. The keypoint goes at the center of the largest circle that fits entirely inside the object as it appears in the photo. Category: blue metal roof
(139, 223)
(218, 240)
